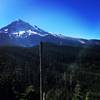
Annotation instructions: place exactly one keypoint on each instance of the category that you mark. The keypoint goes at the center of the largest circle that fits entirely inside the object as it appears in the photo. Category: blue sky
(76, 18)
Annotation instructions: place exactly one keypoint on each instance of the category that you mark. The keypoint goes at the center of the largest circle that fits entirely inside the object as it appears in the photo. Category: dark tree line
(69, 73)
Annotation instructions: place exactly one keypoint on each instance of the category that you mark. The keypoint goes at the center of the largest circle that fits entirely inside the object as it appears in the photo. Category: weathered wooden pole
(40, 54)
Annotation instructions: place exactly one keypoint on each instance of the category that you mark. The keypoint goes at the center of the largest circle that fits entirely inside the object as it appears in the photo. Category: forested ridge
(69, 72)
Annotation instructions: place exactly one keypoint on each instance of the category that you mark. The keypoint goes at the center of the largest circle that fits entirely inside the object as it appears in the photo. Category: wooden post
(40, 54)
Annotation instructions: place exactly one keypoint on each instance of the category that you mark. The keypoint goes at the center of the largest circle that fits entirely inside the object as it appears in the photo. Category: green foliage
(19, 70)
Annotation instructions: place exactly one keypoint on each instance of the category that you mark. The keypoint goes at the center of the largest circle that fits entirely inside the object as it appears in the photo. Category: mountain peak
(16, 26)
(22, 33)
(22, 29)
(19, 20)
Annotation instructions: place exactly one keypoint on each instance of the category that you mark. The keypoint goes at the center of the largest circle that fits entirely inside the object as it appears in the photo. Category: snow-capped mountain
(22, 29)
(20, 33)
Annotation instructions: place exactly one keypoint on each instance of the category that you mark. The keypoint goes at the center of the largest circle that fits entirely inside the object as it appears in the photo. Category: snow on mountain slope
(21, 33)
(21, 29)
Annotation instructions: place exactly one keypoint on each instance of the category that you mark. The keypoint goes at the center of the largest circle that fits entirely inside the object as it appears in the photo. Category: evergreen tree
(76, 94)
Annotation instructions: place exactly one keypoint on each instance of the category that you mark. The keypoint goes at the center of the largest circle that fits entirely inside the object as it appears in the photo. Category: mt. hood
(20, 33)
